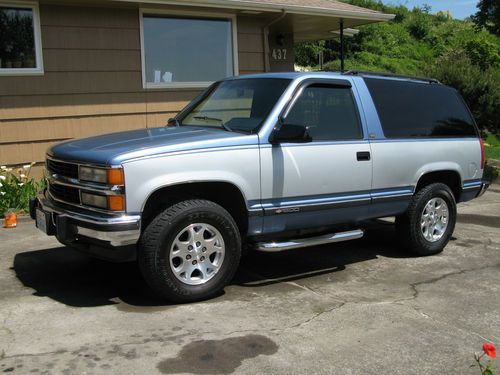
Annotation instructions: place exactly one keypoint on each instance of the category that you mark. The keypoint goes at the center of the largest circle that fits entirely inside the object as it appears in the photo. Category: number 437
(279, 54)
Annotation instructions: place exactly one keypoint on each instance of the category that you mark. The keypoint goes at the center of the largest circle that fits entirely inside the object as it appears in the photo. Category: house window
(186, 52)
(20, 43)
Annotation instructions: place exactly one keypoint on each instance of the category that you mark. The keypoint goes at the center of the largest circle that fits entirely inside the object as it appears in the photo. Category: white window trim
(37, 38)
(187, 14)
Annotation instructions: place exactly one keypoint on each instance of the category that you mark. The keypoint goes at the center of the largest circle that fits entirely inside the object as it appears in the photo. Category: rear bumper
(108, 237)
(473, 189)
(484, 186)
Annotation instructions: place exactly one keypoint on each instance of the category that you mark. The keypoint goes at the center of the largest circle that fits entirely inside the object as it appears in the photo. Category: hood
(116, 148)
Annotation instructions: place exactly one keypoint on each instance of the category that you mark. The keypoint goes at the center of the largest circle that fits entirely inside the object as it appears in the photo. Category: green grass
(492, 147)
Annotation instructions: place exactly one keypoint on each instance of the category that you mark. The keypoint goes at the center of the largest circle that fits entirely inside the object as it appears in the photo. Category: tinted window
(411, 109)
(328, 111)
(240, 104)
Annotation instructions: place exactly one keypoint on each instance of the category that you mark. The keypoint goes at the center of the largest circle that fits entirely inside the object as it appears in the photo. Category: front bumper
(93, 233)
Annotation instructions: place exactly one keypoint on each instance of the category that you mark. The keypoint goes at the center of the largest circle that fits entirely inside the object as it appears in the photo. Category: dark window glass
(187, 49)
(413, 109)
(17, 38)
(328, 111)
(240, 104)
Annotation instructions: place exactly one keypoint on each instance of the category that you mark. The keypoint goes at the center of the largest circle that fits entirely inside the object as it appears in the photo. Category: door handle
(363, 156)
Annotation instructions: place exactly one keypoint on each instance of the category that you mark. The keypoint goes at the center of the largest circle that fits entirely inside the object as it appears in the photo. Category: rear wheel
(190, 251)
(428, 224)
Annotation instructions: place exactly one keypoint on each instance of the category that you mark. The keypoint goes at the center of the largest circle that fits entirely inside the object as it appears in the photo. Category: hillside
(416, 42)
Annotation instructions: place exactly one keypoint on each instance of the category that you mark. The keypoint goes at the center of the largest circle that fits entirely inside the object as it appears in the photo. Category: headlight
(107, 202)
(95, 200)
(93, 174)
(101, 175)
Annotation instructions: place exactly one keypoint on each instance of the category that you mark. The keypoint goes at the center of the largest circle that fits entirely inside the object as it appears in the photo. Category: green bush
(16, 188)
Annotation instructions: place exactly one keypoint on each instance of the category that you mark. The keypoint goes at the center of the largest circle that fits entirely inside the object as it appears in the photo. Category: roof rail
(389, 75)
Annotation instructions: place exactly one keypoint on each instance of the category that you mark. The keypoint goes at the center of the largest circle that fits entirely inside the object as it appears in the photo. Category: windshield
(236, 105)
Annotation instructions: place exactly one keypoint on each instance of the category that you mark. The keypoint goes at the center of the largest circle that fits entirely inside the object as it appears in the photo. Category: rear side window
(329, 112)
(411, 109)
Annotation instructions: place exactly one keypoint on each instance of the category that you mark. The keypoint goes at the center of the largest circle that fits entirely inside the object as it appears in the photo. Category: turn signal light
(116, 203)
(115, 177)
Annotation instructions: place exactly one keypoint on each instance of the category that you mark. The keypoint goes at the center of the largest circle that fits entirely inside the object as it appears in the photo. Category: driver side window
(328, 111)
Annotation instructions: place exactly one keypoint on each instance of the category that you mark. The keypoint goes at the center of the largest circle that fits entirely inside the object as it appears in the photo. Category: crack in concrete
(83, 348)
(416, 294)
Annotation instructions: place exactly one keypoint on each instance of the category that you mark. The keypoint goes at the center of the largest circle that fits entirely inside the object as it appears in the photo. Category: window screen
(186, 50)
(328, 111)
(413, 109)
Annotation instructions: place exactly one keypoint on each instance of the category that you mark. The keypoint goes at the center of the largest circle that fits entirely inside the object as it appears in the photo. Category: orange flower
(490, 350)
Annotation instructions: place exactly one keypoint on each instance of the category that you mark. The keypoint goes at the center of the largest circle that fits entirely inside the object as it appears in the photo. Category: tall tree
(488, 15)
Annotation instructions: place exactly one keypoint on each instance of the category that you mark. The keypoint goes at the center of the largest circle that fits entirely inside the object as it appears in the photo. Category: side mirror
(173, 122)
(290, 133)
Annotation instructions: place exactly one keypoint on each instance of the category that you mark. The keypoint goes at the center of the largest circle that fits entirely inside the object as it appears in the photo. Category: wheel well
(450, 178)
(224, 194)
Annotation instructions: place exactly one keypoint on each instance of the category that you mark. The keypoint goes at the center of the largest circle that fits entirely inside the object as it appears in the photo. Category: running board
(274, 247)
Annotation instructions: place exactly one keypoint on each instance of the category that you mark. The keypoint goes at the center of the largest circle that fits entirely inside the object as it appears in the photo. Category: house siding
(92, 82)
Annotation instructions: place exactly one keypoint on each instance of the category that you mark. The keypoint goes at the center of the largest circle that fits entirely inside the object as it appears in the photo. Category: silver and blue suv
(269, 162)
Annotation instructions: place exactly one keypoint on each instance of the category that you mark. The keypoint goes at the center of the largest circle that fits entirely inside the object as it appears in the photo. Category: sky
(458, 8)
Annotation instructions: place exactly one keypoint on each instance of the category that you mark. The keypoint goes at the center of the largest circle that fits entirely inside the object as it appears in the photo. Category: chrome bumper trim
(121, 238)
(484, 186)
(88, 225)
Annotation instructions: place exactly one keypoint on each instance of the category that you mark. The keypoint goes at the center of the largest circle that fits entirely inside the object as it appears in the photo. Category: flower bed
(16, 188)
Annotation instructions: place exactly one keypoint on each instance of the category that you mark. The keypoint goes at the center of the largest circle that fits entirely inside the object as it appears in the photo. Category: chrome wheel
(434, 219)
(197, 253)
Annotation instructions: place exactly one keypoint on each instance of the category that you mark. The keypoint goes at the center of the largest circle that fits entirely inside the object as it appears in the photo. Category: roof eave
(293, 9)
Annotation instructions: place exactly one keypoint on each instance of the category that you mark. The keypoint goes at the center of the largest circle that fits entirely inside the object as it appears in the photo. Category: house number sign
(279, 53)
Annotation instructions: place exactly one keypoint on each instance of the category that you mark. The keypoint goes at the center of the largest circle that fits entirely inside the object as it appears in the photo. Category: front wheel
(190, 251)
(428, 224)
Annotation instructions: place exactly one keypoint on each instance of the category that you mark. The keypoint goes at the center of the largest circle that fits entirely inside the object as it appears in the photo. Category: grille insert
(65, 193)
(62, 169)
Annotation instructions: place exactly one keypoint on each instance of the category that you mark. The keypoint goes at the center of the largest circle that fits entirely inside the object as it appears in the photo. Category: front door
(326, 181)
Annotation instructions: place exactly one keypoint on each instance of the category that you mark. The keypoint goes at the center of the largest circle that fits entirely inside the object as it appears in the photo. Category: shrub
(16, 188)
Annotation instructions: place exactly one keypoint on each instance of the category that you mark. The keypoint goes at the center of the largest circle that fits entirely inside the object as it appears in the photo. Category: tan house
(78, 68)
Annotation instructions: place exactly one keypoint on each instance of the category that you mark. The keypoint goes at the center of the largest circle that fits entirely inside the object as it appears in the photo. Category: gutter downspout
(265, 34)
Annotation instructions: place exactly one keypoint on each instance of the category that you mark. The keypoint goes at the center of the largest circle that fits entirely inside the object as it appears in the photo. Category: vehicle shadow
(76, 280)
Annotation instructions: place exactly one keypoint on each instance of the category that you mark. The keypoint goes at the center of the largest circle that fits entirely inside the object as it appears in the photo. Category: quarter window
(420, 110)
(328, 111)
(20, 44)
(180, 51)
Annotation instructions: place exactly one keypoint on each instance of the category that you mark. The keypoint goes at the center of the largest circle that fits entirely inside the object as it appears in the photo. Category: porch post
(342, 45)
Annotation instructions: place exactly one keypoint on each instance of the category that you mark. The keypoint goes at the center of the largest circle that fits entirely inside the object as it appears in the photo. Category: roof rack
(389, 75)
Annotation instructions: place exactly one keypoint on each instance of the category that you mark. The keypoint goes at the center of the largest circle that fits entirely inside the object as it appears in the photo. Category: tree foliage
(488, 15)
(417, 42)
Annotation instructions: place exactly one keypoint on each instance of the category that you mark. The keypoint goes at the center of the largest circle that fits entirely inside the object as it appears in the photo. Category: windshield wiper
(207, 118)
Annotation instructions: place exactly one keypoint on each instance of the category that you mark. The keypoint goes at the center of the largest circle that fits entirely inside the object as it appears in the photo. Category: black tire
(408, 225)
(155, 244)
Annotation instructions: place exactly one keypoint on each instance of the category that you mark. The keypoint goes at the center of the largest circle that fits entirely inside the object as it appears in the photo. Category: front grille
(62, 169)
(65, 193)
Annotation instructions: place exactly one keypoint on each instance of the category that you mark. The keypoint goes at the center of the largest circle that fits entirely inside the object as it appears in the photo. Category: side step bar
(274, 247)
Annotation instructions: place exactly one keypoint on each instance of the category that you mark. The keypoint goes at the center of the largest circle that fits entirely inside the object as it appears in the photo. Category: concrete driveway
(360, 307)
